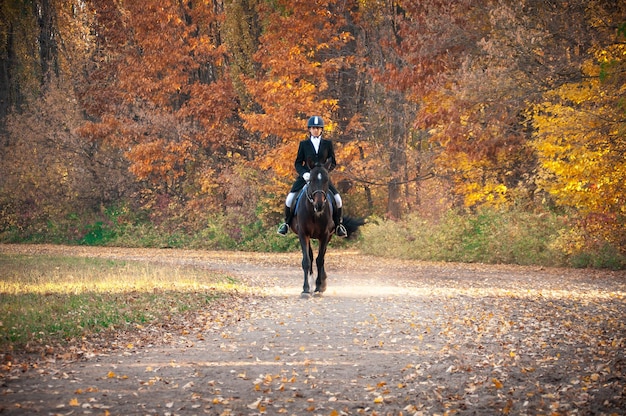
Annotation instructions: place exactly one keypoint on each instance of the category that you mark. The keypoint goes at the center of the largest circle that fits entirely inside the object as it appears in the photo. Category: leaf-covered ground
(387, 338)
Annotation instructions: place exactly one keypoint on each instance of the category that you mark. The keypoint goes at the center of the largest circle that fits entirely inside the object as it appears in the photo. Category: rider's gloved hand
(306, 176)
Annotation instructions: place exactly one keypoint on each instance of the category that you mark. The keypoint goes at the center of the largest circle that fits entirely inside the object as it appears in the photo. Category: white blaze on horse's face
(319, 176)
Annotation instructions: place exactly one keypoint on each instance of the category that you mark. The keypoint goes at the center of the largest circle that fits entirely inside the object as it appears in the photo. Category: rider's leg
(284, 227)
(340, 230)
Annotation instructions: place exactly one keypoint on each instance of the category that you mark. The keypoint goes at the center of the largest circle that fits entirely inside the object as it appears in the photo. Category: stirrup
(341, 231)
(283, 229)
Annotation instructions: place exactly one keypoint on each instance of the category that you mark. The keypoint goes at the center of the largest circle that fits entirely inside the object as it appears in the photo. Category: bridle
(310, 196)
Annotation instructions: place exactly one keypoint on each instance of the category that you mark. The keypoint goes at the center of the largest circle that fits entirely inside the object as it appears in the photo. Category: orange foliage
(298, 51)
(491, 91)
(166, 99)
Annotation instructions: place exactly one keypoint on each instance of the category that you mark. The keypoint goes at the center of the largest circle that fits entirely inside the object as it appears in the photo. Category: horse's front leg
(310, 258)
(305, 244)
(320, 282)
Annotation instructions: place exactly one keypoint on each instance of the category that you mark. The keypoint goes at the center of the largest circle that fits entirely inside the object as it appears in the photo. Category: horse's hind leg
(320, 282)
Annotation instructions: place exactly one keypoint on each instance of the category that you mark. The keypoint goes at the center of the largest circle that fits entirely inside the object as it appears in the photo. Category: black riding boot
(340, 230)
(284, 227)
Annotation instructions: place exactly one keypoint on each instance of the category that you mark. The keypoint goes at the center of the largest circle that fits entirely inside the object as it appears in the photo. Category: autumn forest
(187, 115)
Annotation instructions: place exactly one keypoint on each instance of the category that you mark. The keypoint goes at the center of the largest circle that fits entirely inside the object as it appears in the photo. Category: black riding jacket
(307, 156)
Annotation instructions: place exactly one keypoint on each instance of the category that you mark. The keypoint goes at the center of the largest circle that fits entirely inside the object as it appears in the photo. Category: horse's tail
(352, 224)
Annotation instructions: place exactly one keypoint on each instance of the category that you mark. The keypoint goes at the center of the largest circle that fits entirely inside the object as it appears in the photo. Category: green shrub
(487, 237)
(149, 235)
(604, 257)
(216, 235)
(97, 234)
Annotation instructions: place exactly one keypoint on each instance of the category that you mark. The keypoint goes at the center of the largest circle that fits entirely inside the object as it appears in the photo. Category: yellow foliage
(581, 166)
(580, 141)
(473, 181)
(491, 194)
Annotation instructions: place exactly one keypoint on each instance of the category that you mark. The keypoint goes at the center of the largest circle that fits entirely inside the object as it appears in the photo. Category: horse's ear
(328, 164)
(310, 163)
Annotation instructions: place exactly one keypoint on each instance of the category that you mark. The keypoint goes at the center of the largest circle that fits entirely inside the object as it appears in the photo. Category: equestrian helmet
(315, 121)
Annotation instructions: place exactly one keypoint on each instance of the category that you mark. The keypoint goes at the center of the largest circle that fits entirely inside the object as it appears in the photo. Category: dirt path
(387, 338)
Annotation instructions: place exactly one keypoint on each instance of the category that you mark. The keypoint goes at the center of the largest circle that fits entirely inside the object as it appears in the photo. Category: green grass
(50, 300)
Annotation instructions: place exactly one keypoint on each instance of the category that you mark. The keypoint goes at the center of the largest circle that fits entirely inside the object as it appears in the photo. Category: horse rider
(313, 148)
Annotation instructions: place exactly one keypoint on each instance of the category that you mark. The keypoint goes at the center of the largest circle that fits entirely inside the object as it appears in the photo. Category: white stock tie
(316, 143)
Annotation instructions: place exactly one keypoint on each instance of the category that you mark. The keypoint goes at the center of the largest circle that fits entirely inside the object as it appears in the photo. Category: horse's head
(318, 188)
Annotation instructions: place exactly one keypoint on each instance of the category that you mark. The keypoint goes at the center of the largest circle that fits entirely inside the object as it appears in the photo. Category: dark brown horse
(314, 220)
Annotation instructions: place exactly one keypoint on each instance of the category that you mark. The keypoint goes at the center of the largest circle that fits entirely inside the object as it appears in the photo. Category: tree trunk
(48, 35)
(397, 158)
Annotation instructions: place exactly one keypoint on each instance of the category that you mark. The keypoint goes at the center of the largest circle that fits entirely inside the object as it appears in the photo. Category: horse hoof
(317, 294)
(305, 295)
